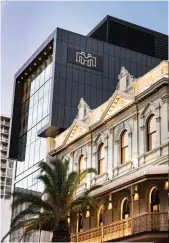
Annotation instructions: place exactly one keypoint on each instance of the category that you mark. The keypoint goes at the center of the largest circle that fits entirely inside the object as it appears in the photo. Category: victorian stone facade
(126, 140)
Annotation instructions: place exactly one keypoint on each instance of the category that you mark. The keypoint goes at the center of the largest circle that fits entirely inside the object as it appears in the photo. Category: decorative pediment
(99, 138)
(149, 104)
(117, 102)
(83, 110)
(77, 129)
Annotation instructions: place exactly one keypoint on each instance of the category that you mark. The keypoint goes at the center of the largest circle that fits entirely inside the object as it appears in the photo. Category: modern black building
(112, 43)
(66, 67)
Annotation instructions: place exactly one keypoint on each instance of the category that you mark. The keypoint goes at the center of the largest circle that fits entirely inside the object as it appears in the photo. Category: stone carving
(125, 79)
(165, 98)
(123, 72)
(83, 109)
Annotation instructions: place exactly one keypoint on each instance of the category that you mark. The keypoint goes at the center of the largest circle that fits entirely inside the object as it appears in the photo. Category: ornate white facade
(128, 109)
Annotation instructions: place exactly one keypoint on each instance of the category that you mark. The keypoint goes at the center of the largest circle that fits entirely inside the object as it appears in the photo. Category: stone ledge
(100, 179)
(122, 169)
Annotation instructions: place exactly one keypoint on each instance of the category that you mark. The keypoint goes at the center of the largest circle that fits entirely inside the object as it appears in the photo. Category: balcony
(100, 179)
(3, 174)
(148, 222)
(3, 148)
(3, 165)
(3, 123)
(4, 140)
(5, 131)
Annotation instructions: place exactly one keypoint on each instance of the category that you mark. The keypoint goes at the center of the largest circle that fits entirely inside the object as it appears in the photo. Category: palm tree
(58, 200)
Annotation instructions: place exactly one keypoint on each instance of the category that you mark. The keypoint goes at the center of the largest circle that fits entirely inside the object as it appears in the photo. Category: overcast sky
(25, 25)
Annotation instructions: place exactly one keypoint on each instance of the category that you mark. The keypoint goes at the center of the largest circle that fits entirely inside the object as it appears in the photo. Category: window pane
(34, 114)
(32, 87)
(30, 118)
(124, 155)
(45, 105)
(37, 148)
(35, 98)
(101, 152)
(152, 124)
(41, 92)
(101, 166)
(40, 109)
(125, 139)
(42, 76)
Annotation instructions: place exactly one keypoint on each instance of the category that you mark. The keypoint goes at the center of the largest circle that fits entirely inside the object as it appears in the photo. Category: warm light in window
(166, 185)
(18, 82)
(30, 69)
(136, 196)
(39, 58)
(68, 219)
(44, 53)
(21, 77)
(35, 63)
(25, 73)
(88, 212)
(110, 203)
(50, 47)
(155, 208)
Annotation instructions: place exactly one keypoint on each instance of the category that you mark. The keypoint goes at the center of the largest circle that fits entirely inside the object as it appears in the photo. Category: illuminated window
(124, 147)
(100, 159)
(81, 165)
(151, 130)
(154, 200)
(125, 209)
(100, 216)
(80, 223)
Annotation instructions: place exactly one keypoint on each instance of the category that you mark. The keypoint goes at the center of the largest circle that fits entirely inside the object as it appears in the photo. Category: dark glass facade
(47, 91)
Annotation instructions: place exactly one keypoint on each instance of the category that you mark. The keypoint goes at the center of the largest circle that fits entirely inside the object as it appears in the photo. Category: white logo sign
(83, 59)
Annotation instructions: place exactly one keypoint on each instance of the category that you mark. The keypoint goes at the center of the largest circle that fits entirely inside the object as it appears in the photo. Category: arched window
(100, 159)
(124, 147)
(154, 200)
(125, 208)
(100, 216)
(151, 133)
(81, 165)
(80, 223)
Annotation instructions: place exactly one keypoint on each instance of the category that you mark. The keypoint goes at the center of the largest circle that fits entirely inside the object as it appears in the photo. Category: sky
(25, 25)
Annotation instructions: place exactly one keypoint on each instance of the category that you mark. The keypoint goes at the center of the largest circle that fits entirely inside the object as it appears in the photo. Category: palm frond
(25, 197)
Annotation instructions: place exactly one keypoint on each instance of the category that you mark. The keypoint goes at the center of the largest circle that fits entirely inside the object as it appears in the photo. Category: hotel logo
(83, 59)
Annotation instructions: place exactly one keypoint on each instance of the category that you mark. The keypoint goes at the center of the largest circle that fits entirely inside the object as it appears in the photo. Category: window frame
(100, 159)
(151, 205)
(150, 134)
(124, 149)
(80, 165)
(122, 208)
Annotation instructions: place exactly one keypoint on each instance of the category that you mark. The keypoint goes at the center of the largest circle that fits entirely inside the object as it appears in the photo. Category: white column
(130, 146)
(116, 154)
(142, 136)
(165, 119)
(111, 150)
(106, 151)
(135, 141)
(158, 127)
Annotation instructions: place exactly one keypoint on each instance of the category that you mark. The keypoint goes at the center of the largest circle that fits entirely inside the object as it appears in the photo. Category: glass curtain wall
(32, 149)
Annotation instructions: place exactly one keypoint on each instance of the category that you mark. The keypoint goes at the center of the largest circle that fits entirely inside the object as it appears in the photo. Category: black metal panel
(132, 37)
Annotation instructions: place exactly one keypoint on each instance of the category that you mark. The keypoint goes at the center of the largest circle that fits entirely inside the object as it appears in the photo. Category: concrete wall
(5, 217)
